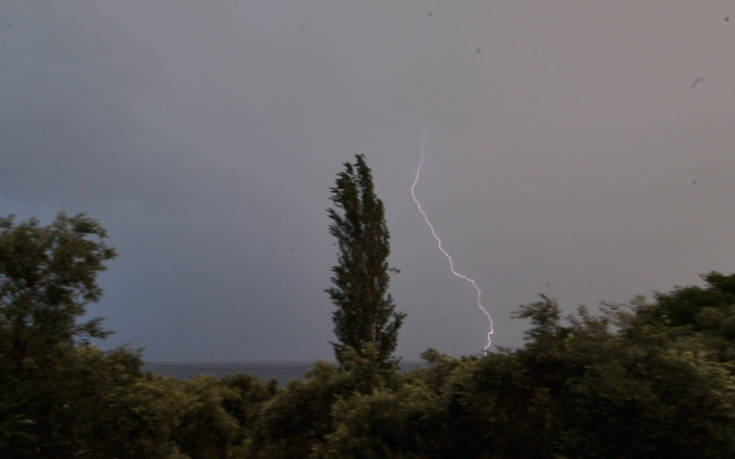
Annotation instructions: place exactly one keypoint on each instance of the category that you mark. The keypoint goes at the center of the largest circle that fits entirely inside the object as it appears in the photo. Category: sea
(281, 371)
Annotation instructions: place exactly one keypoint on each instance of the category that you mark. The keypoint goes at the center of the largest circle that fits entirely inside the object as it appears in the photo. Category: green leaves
(646, 379)
(47, 276)
(365, 311)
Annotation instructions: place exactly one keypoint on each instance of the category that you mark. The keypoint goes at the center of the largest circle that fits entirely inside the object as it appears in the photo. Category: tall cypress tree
(365, 310)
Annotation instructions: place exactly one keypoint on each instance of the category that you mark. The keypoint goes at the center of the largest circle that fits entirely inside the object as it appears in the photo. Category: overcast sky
(567, 153)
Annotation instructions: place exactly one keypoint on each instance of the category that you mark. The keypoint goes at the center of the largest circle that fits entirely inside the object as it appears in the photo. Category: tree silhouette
(365, 310)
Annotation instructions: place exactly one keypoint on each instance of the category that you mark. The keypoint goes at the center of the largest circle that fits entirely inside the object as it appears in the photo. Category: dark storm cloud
(560, 156)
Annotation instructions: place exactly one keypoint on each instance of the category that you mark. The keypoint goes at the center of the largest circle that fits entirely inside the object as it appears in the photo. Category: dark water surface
(282, 371)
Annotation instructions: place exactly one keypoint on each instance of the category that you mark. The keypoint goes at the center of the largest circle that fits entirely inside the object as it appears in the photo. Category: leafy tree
(631, 390)
(206, 429)
(641, 380)
(52, 383)
(243, 399)
(298, 416)
(47, 276)
(405, 421)
(705, 314)
(296, 421)
(99, 404)
(365, 310)
(682, 305)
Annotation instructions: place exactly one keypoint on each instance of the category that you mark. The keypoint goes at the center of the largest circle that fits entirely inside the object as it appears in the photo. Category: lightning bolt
(471, 281)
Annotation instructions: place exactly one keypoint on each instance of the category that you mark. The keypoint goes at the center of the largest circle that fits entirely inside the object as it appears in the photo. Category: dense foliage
(365, 312)
(645, 379)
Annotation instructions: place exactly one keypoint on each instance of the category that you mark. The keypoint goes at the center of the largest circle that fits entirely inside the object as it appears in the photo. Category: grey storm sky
(568, 152)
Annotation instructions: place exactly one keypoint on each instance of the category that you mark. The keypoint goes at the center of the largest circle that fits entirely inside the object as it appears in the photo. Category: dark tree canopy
(683, 305)
(47, 276)
(365, 310)
(645, 379)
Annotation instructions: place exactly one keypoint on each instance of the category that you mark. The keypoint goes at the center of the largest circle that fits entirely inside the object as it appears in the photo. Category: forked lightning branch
(471, 281)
